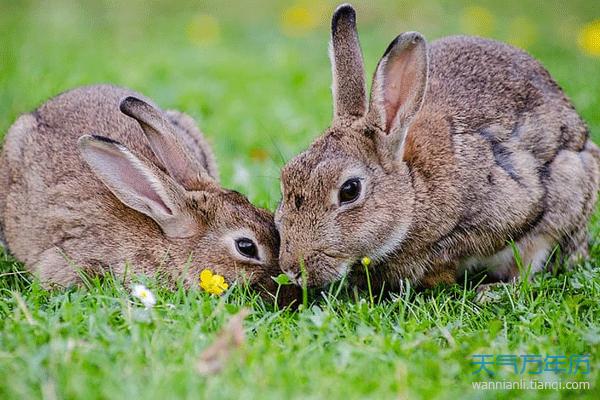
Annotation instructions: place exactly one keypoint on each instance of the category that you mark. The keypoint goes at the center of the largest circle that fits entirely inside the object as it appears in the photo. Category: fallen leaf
(213, 358)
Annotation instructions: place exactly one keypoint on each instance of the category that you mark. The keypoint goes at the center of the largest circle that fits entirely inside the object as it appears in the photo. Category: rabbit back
(508, 158)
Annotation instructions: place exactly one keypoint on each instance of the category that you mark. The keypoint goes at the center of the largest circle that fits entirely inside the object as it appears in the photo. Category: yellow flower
(589, 38)
(522, 32)
(365, 261)
(203, 29)
(298, 20)
(212, 283)
(477, 20)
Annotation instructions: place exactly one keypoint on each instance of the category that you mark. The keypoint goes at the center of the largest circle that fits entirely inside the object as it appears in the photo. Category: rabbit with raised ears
(465, 145)
(145, 195)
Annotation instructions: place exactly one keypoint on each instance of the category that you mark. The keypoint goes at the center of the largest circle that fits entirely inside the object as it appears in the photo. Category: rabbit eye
(350, 191)
(247, 248)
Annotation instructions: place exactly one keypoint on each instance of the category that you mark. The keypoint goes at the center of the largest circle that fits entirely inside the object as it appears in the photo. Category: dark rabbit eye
(247, 248)
(350, 191)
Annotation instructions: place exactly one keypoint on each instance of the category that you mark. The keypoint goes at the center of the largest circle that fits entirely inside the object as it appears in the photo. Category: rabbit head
(199, 221)
(349, 195)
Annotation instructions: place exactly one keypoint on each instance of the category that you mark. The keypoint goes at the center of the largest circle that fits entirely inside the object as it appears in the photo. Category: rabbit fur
(465, 145)
(143, 196)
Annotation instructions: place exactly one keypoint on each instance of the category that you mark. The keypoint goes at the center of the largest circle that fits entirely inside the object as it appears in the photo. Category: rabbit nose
(288, 262)
(294, 273)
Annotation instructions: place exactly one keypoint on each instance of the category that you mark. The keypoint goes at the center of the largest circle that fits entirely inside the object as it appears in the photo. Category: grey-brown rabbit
(144, 195)
(465, 145)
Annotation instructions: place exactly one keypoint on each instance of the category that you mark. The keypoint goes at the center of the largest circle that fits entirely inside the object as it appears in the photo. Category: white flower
(145, 295)
(241, 175)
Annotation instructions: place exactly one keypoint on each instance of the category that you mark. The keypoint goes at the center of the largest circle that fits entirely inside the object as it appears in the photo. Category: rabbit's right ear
(399, 87)
(138, 186)
(164, 143)
(349, 89)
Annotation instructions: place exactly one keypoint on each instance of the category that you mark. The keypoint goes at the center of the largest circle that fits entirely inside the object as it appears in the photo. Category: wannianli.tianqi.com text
(532, 384)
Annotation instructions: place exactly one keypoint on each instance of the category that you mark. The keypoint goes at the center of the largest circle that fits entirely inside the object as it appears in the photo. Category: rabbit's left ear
(180, 165)
(139, 185)
(399, 86)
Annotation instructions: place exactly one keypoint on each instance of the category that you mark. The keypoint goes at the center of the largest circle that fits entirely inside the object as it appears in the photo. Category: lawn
(256, 77)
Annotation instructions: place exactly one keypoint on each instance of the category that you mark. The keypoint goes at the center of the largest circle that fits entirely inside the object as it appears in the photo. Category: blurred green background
(256, 75)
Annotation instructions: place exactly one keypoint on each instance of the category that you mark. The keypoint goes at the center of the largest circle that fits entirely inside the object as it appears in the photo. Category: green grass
(262, 96)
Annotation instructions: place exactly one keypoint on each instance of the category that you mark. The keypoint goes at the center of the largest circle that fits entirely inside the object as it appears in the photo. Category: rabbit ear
(399, 86)
(349, 93)
(164, 143)
(138, 186)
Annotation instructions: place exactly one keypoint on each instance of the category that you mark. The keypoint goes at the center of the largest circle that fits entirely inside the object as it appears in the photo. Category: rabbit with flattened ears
(144, 195)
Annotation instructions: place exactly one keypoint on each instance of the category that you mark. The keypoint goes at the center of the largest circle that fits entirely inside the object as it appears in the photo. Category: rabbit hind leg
(525, 257)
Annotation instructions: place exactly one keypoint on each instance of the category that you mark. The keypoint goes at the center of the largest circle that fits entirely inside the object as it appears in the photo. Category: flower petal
(218, 280)
(138, 289)
(206, 275)
(217, 290)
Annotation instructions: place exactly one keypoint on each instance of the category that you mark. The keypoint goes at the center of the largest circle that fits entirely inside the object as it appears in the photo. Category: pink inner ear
(399, 83)
(124, 177)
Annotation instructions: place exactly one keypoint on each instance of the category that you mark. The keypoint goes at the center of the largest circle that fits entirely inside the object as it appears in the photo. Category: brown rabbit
(465, 145)
(143, 196)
